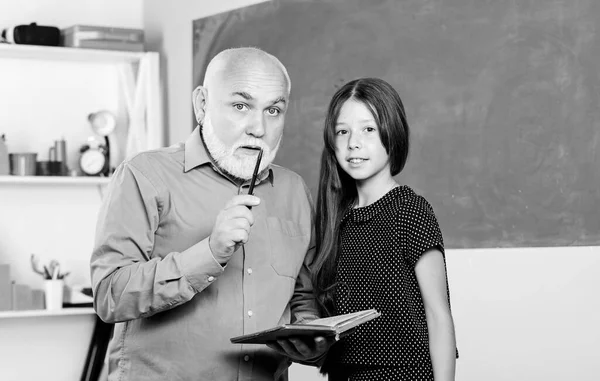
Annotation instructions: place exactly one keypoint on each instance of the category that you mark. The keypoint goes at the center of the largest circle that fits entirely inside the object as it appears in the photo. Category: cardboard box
(21, 297)
(38, 299)
(106, 38)
(5, 288)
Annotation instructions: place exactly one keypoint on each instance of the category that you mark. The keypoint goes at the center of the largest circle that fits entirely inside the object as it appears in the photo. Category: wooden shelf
(54, 180)
(58, 53)
(47, 313)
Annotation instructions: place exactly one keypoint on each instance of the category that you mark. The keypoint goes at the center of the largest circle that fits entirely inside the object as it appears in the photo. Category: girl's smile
(356, 161)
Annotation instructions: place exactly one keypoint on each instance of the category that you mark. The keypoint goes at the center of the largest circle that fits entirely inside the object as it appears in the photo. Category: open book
(336, 326)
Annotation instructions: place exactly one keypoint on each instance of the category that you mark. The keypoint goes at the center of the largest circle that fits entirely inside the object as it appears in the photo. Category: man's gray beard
(225, 158)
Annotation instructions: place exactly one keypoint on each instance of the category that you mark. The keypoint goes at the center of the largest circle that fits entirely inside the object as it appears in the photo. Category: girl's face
(358, 147)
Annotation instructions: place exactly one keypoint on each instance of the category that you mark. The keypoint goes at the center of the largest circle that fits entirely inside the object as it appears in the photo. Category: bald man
(184, 259)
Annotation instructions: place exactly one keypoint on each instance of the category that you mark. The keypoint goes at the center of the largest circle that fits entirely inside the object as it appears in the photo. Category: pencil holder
(54, 289)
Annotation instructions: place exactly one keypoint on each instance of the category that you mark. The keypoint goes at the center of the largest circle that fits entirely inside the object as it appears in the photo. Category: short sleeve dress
(380, 245)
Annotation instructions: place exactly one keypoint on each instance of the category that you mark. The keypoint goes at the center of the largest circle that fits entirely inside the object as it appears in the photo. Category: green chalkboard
(503, 99)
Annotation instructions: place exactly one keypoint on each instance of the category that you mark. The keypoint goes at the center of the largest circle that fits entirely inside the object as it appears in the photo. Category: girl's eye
(341, 132)
(370, 129)
(240, 106)
(273, 111)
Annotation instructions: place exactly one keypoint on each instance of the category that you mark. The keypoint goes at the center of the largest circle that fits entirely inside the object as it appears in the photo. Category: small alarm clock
(103, 123)
(94, 159)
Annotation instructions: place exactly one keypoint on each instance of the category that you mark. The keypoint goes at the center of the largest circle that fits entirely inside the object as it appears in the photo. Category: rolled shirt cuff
(199, 266)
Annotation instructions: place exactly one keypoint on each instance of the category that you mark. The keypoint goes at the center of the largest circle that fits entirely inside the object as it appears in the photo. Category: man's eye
(240, 106)
(273, 111)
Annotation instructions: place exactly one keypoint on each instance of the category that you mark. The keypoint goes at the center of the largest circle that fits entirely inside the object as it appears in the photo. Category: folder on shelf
(21, 296)
(334, 326)
(5, 288)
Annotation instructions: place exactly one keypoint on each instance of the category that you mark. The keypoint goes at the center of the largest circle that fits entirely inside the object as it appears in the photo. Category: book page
(326, 327)
(333, 321)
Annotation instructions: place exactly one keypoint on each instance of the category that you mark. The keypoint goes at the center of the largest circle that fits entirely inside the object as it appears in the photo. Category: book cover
(334, 326)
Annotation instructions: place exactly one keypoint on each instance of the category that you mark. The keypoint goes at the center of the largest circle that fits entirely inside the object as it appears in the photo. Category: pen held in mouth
(255, 174)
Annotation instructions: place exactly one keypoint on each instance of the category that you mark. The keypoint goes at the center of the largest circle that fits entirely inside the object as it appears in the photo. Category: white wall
(526, 313)
(65, 13)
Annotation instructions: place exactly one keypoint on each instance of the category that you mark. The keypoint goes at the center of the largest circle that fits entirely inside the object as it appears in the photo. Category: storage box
(5, 288)
(106, 38)
(38, 299)
(21, 297)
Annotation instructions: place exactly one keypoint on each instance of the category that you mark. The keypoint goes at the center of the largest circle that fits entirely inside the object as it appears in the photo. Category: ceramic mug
(23, 164)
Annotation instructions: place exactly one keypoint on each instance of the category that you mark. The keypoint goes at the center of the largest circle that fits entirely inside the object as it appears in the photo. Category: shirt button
(249, 271)
(211, 278)
(250, 313)
(246, 358)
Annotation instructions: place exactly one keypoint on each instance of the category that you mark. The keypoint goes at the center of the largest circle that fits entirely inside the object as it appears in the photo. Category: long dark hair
(337, 190)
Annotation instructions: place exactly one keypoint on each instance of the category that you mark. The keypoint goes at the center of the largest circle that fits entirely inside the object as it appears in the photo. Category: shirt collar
(196, 154)
(366, 213)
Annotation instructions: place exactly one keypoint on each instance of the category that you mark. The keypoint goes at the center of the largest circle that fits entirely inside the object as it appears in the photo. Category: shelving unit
(68, 54)
(54, 180)
(46, 313)
(47, 93)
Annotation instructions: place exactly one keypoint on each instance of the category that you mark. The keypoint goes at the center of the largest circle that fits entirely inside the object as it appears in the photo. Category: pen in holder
(54, 293)
(54, 282)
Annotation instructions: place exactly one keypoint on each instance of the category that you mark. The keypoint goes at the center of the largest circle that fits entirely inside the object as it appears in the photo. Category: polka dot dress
(381, 243)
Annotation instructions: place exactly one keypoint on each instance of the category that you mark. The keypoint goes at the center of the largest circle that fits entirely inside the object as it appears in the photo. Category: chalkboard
(502, 97)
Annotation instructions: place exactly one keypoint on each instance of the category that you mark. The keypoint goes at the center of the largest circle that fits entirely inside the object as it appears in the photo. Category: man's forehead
(252, 76)
(255, 89)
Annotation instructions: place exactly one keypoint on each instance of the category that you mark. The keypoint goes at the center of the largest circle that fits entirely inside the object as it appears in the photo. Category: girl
(379, 245)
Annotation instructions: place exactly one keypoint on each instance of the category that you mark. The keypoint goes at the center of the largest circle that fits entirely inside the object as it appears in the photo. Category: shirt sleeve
(128, 282)
(303, 303)
(419, 230)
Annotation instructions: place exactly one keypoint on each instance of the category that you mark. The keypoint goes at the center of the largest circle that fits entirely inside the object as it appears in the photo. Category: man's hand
(232, 227)
(299, 349)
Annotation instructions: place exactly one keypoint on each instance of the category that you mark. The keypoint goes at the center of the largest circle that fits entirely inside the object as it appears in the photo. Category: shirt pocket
(289, 243)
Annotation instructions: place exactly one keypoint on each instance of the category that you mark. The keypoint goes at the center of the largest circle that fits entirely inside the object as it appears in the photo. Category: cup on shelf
(43, 168)
(54, 293)
(23, 164)
(57, 156)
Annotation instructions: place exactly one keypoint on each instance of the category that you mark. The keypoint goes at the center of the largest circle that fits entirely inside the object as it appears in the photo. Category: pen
(47, 273)
(55, 272)
(255, 174)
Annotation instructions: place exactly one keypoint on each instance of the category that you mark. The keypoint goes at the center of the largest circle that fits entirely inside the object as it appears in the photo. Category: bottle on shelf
(4, 166)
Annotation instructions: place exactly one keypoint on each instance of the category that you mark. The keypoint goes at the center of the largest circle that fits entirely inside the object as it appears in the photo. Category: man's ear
(199, 101)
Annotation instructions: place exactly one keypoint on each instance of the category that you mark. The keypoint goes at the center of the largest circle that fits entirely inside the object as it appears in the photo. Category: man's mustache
(253, 143)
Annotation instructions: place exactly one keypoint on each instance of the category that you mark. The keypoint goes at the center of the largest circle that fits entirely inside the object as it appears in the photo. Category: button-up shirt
(175, 306)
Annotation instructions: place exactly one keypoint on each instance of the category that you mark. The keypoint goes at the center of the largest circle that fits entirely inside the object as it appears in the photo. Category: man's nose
(256, 126)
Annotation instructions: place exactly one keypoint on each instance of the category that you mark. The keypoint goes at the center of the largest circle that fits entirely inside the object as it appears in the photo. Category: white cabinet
(50, 347)
(46, 94)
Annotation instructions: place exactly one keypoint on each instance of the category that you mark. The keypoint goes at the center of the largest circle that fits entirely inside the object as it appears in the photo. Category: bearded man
(184, 259)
